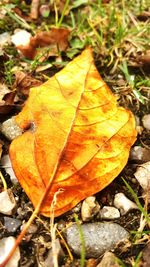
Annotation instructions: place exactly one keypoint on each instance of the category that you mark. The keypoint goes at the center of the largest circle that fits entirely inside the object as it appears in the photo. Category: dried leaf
(81, 139)
(24, 82)
(6, 99)
(55, 39)
(145, 59)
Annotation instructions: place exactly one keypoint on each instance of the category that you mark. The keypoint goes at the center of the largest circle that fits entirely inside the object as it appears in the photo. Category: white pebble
(146, 121)
(4, 38)
(7, 202)
(108, 260)
(21, 37)
(6, 245)
(90, 207)
(109, 213)
(143, 176)
(123, 203)
(139, 153)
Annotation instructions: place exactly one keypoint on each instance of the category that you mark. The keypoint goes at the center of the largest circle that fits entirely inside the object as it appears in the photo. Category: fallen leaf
(55, 39)
(6, 99)
(145, 59)
(24, 82)
(80, 141)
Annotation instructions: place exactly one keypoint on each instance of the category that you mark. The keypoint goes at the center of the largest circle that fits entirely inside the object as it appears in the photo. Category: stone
(90, 207)
(124, 204)
(5, 38)
(98, 238)
(109, 213)
(139, 153)
(6, 164)
(7, 202)
(6, 245)
(32, 228)
(76, 209)
(143, 176)
(10, 129)
(146, 121)
(108, 260)
(11, 224)
(21, 37)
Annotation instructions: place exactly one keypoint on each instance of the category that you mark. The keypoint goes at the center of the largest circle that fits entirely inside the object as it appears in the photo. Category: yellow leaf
(80, 141)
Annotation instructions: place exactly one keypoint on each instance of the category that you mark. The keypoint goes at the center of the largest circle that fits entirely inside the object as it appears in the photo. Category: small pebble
(21, 38)
(32, 228)
(98, 238)
(108, 260)
(146, 121)
(7, 202)
(124, 204)
(5, 38)
(139, 153)
(77, 208)
(5, 246)
(49, 262)
(6, 164)
(91, 263)
(109, 213)
(10, 129)
(90, 207)
(143, 176)
(11, 224)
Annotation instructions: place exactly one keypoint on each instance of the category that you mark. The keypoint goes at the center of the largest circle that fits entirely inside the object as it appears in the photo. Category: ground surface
(118, 32)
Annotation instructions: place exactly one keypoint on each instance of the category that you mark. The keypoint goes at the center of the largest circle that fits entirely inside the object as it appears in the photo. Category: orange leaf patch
(80, 141)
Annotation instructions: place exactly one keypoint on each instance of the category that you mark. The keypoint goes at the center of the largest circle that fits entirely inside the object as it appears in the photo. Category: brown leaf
(6, 99)
(81, 138)
(55, 39)
(145, 59)
(24, 82)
